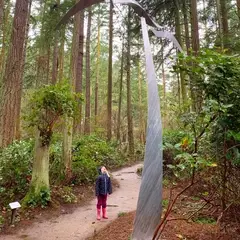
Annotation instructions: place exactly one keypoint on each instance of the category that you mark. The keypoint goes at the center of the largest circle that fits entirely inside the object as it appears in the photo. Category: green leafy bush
(56, 165)
(171, 139)
(40, 200)
(67, 195)
(89, 153)
(15, 170)
(1, 221)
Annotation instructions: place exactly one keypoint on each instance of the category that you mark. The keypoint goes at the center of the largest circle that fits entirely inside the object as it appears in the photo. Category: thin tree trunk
(204, 13)
(48, 63)
(61, 55)
(55, 53)
(219, 23)
(55, 60)
(98, 72)
(178, 36)
(1, 12)
(164, 88)
(195, 28)
(179, 90)
(87, 128)
(12, 86)
(238, 9)
(18, 108)
(224, 18)
(186, 27)
(141, 120)
(120, 96)
(5, 30)
(79, 82)
(129, 97)
(109, 104)
(68, 128)
(195, 95)
(43, 57)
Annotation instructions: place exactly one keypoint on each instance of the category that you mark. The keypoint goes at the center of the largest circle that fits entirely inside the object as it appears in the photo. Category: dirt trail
(82, 223)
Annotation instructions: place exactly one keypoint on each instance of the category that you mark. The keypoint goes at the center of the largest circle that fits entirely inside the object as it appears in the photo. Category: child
(103, 187)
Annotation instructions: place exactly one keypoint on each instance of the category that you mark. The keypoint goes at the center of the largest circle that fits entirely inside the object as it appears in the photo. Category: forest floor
(80, 222)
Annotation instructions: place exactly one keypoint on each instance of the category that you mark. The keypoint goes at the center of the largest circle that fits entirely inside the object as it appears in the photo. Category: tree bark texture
(178, 37)
(61, 54)
(5, 34)
(87, 128)
(79, 74)
(68, 128)
(1, 13)
(12, 80)
(195, 28)
(120, 96)
(97, 70)
(43, 59)
(238, 9)
(224, 18)
(109, 102)
(186, 27)
(40, 173)
(129, 95)
(18, 108)
(141, 118)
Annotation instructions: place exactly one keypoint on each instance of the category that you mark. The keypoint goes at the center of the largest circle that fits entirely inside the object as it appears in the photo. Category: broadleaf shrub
(15, 170)
(89, 153)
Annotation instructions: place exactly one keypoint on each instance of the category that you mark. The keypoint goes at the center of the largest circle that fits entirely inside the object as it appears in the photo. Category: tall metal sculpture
(149, 205)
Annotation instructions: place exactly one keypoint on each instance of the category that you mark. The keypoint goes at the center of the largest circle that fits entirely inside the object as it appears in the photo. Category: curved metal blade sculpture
(149, 205)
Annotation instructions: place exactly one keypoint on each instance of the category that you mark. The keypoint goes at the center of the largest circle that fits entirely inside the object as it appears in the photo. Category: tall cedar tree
(109, 104)
(12, 79)
(87, 128)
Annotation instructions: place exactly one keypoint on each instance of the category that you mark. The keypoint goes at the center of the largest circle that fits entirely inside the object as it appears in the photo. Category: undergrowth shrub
(15, 170)
(89, 153)
(171, 138)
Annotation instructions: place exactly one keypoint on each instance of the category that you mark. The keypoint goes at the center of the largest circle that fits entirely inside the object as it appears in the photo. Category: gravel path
(82, 223)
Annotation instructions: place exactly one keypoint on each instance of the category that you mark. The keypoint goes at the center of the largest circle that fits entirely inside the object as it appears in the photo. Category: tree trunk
(43, 59)
(40, 173)
(87, 128)
(195, 95)
(195, 29)
(55, 53)
(1, 12)
(5, 31)
(219, 19)
(164, 88)
(224, 18)
(186, 27)
(178, 36)
(98, 63)
(120, 96)
(238, 9)
(129, 97)
(61, 55)
(141, 119)
(79, 80)
(18, 108)
(109, 104)
(55, 58)
(68, 128)
(12, 85)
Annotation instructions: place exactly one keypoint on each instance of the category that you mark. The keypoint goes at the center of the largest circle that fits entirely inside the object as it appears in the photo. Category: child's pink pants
(102, 201)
